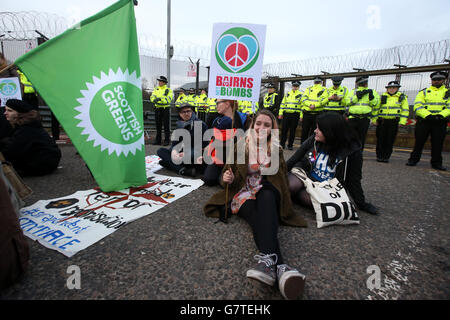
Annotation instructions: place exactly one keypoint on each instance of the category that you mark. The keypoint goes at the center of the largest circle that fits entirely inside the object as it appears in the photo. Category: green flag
(90, 78)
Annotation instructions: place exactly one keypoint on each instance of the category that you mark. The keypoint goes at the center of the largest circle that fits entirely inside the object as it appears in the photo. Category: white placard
(237, 53)
(9, 89)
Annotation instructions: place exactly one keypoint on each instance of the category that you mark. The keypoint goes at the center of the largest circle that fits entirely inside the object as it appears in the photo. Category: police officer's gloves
(298, 96)
(371, 96)
(157, 100)
(360, 94)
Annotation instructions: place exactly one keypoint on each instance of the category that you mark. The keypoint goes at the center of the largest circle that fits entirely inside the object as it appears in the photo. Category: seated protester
(262, 199)
(14, 248)
(333, 151)
(30, 149)
(187, 120)
(222, 125)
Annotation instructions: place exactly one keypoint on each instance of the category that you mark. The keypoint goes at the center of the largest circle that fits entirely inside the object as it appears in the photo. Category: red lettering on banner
(250, 83)
(218, 81)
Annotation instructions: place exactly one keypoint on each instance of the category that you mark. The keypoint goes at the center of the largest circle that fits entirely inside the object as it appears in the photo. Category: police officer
(212, 111)
(29, 94)
(162, 97)
(201, 106)
(337, 96)
(248, 107)
(314, 98)
(271, 100)
(181, 98)
(290, 110)
(432, 111)
(191, 97)
(394, 110)
(363, 106)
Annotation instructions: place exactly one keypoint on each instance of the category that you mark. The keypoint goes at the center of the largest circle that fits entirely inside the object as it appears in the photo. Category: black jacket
(348, 171)
(31, 150)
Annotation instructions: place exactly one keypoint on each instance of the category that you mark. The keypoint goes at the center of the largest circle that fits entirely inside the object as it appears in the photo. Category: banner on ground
(237, 53)
(90, 78)
(9, 89)
(72, 223)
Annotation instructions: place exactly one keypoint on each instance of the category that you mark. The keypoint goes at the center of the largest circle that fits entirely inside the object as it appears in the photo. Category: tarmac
(177, 253)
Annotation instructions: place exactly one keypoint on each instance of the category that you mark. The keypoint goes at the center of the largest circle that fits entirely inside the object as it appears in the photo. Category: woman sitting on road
(30, 149)
(333, 151)
(171, 155)
(263, 201)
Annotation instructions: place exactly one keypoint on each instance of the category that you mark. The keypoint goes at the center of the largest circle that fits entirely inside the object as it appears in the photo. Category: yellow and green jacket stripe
(396, 106)
(341, 91)
(165, 94)
(432, 100)
(316, 95)
(363, 106)
(292, 102)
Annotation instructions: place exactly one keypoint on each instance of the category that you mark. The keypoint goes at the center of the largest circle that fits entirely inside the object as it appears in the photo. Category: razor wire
(410, 55)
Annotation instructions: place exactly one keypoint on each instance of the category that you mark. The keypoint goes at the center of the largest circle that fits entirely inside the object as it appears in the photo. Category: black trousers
(361, 126)
(289, 125)
(162, 118)
(308, 124)
(263, 217)
(386, 133)
(437, 129)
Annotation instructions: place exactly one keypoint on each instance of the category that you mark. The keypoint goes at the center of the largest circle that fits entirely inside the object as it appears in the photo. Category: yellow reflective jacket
(247, 107)
(292, 102)
(396, 106)
(316, 95)
(181, 100)
(201, 103)
(363, 106)
(269, 100)
(341, 92)
(432, 101)
(211, 102)
(162, 97)
(27, 86)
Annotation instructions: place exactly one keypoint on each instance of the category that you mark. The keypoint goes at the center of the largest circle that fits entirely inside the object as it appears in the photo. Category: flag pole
(229, 167)
(7, 67)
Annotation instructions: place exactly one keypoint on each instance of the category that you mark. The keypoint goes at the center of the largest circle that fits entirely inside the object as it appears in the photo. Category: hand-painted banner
(237, 53)
(9, 89)
(72, 223)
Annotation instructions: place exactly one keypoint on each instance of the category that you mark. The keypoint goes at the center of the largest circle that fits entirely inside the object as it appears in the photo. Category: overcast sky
(295, 29)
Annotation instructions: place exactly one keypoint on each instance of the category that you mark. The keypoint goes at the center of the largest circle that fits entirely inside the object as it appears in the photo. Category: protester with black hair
(30, 149)
(333, 151)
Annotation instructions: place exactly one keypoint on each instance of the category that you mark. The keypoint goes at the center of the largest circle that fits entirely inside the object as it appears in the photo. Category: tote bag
(330, 201)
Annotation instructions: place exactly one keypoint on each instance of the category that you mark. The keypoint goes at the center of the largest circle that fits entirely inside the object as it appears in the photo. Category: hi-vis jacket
(292, 102)
(246, 107)
(341, 92)
(269, 100)
(394, 106)
(316, 95)
(201, 103)
(363, 107)
(27, 86)
(433, 101)
(182, 99)
(162, 97)
(211, 102)
(191, 99)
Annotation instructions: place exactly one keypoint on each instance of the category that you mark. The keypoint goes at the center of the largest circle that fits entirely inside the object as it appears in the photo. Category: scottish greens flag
(90, 78)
